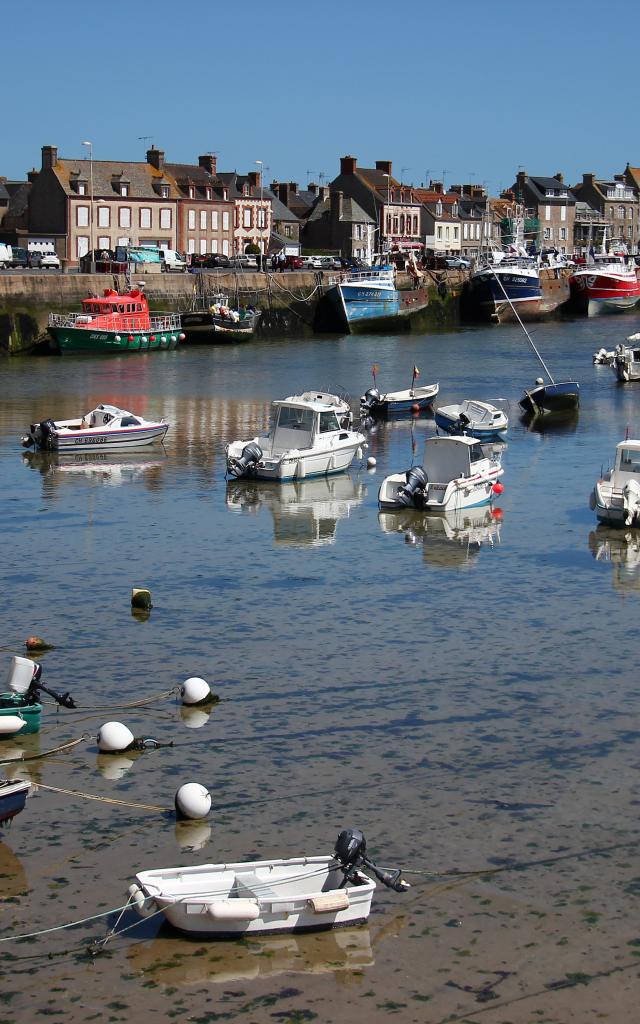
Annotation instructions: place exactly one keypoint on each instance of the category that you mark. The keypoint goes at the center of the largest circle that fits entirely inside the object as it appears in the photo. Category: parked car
(35, 260)
(294, 263)
(49, 261)
(19, 257)
(457, 263)
(172, 260)
(245, 261)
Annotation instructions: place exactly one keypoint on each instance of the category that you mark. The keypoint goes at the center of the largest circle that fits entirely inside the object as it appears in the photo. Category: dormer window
(225, 193)
(245, 190)
(124, 189)
(164, 191)
(208, 193)
(438, 209)
(454, 209)
(192, 192)
(81, 187)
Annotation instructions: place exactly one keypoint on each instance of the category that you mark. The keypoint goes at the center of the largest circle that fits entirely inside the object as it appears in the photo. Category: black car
(208, 261)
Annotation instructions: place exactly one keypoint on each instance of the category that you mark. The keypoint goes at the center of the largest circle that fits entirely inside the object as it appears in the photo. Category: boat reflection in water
(622, 549)
(305, 512)
(450, 541)
(167, 962)
(14, 876)
(102, 467)
(563, 422)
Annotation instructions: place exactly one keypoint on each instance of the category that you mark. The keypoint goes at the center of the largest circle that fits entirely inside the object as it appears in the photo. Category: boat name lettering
(99, 337)
(90, 440)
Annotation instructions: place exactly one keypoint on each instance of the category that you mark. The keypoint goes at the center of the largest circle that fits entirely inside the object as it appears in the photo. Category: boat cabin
(298, 424)
(480, 414)
(627, 464)
(450, 458)
(125, 311)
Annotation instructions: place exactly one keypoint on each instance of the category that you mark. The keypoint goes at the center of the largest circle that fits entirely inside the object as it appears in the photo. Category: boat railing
(118, 322)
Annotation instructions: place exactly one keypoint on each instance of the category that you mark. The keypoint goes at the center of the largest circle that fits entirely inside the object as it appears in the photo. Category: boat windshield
(630, 460)
(290, 418)
(328, 421)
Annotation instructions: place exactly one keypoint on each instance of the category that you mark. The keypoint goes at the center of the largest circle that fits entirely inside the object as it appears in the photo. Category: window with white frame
(208, 193)
(478, 231)
(262, 220)
(165, 218)
(547, 234)
(214, 220)
(82, 188)
(82, 216)
(563, 213)
(203, 246)
(213, 245)
(145, 217)
(225, 225)
(124, 216)
(104, 242)
(123, 240)
(246, 217)
(439, 231)
(547, 213)
(203, 220)
(455, 234)
(446, 233)
(192, 192)
(192, 220)
(563, 234)
(82, 246)
(104, 216)
(191, 245)
(225, 247)
(164, 191)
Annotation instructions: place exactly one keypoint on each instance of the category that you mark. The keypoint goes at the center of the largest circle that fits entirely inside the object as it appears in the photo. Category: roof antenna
(145, 138)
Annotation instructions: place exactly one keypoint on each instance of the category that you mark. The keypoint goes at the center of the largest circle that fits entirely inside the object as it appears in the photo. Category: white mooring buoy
(192, 801)
(114, 737)
(195, 690)
(371, 462)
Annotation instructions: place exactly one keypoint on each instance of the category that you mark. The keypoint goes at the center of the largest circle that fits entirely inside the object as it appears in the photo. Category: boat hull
(444, 498)
(358, 307)
(595, 294)
(486, 294)
(297, 466)
(205, 326)
(559, 397)
(449, 423)
(72, 442)
(13, 797)
(79, 339)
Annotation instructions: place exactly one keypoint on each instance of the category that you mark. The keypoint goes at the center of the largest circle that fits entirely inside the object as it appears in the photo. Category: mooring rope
(45, 753)
(103, 799)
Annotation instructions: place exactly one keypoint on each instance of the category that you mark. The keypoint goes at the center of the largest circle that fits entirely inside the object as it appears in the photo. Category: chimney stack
(49, 157)
(312, 188)
(337, 204)
(348, 165)
(384, 166)
(588, 179)
(208, 162)
(560, 177)
(32, 175)
(255, 178)
(155, 157)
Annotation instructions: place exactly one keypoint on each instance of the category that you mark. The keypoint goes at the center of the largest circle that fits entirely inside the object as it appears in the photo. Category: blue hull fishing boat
(554, 396)
(369, 300)
(13, 796)
(495, 288)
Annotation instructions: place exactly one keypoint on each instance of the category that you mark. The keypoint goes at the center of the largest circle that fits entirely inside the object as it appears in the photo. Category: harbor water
(464, 691)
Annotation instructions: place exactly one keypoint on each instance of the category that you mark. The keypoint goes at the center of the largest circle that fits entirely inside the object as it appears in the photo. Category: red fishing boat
(607, 285)
(115, 322)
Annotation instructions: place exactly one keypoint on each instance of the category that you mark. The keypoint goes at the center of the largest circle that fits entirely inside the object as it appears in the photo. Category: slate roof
(279, 211)
(143, 179)
(352, 213)
(4, 195)
(538, 187)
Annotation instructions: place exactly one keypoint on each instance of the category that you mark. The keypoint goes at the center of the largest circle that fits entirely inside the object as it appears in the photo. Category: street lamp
(259, 164)
(91, 239)
(388, 177)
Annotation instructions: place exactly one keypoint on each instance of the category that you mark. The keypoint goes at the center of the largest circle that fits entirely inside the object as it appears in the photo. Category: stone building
(387, 201)
(205, 213)
(616, 202)
(338, 224)
(441, 229)
(552, 204)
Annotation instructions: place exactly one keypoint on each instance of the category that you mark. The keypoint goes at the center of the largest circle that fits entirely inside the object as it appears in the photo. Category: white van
(6, 256)
(172, 260)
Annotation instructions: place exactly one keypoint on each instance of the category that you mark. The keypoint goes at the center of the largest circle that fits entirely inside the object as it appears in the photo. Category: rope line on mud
(103, 799)
(45, 753)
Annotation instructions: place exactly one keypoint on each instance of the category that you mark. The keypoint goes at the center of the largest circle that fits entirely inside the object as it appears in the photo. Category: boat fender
(10, 725)
(234, 910)
(145, 905)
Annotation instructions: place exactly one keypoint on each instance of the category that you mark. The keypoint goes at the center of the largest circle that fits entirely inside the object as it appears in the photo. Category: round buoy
(118, 337)
(114, 737)
(130, 338)
(371, 462)
(36, 643)
(152, 337)
(141, 598)
(181, 337)
(195, 690)
(415, 407)
(192, 801)
(498, 488)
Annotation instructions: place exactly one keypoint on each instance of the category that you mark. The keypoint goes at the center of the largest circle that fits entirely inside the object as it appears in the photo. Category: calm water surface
(464, 691)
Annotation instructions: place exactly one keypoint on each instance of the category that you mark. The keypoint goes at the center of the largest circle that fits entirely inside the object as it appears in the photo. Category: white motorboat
(398, 403)
(339, 401)
(616, 495)
(626, 359)
(266, 896)
(306, 439)
(472, 417)
(106, 428)
(456, 472)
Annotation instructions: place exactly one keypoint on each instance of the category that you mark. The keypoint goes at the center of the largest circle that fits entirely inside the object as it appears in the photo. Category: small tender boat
(266, 896)
(20, 707)
(472, 417)
(306, 439)
(220, 322)
(115, 322)
(456, 473)
(626, 360)
(616, 495)
(556, 396)
(13, 797)
(106, 428)
(397, 403)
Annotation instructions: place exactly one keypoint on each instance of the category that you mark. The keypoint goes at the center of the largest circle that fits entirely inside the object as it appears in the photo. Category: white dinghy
(456, 472)
(266, 896)
(106, 428)
(306, 439)
(472, 417)
(616, 495)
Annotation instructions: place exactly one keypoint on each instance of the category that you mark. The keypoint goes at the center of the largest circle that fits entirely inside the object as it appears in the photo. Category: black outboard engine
(248, 461)
(461, 423)
(412, 492)
(351, 852)
(25, 680)
(369, 401)
(47, 428)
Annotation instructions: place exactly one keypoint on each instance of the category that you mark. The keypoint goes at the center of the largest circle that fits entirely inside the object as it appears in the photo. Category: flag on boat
(416, 372)
(375, 369)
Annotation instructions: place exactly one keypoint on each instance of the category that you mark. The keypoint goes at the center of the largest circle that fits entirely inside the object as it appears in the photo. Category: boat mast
(517, 316)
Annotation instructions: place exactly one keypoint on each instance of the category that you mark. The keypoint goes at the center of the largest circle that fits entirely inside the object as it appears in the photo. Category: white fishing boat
(266, 896)
(456, 473)
(616, 495)
(626, 360)
(398, 403)
(472, 417)
(105, 428)
(338, 400)
(306, 439)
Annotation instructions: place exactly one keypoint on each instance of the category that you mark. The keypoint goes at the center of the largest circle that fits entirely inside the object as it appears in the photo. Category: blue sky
(479, 89)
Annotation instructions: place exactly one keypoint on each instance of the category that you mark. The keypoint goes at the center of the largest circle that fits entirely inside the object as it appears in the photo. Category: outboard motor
(461, 423)
(351, 852)
(248, 461)
(25, 681)
(47, 428)
(369, 401)
(412, 492)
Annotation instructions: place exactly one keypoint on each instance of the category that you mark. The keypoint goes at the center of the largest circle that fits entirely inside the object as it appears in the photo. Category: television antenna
(145, 138)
